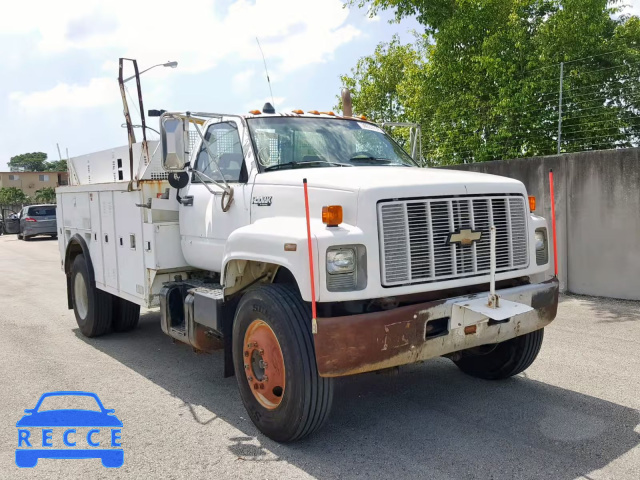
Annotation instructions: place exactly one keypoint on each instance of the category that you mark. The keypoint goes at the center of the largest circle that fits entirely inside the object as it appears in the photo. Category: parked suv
(38, 220)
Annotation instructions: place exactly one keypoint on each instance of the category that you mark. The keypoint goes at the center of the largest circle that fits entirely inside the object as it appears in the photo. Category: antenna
(267, 72)
(59, 154)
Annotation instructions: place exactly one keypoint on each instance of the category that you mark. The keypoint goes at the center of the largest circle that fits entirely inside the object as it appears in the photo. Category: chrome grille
(414, 237)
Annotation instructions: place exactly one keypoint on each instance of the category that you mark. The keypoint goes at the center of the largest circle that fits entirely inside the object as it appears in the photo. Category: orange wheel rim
(263, 364)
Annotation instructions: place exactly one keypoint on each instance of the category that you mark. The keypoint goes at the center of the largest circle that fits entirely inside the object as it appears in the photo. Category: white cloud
(632, 7)
(99, 92)
(293, 33)
(242, 80)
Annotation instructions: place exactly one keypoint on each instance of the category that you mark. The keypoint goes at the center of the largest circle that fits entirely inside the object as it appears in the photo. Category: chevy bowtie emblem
(465, 237)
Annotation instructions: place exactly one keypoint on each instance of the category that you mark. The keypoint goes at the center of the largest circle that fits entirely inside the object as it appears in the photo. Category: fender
(70, 254)
(264, 240)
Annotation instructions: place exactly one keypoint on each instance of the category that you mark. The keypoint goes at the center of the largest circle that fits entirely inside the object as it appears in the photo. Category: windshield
(42, 211)
(294, 142)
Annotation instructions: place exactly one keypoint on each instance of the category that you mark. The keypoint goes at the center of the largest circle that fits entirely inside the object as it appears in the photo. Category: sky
(59, 62)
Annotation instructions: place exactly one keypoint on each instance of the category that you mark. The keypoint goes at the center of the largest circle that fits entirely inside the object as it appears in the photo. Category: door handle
(187, 200)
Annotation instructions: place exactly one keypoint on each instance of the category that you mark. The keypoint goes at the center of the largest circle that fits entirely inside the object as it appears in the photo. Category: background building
(29, 182)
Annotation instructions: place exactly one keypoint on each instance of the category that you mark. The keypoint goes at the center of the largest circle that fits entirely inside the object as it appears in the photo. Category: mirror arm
(202, 176)
(226, 187)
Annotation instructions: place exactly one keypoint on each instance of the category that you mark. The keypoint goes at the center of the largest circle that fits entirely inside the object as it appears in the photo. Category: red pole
(553, 223)
(314, 325)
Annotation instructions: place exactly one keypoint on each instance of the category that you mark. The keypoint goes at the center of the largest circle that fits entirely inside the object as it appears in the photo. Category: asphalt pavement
(573, 414)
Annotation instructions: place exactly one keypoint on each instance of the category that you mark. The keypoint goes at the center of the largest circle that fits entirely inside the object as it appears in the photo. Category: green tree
(31, 162)
(12, 197)
(377, 80)
(46, 195)
(484, 77)
(56, 166)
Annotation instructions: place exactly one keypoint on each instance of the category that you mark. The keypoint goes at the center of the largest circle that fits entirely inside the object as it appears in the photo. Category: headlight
(542, 247)
(342, 260)
(346, 268)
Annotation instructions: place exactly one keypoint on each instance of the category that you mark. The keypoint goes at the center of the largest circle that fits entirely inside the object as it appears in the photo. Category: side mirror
(174, 133)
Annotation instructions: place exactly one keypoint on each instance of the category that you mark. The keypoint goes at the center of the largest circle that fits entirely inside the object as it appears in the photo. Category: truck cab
(306, 246)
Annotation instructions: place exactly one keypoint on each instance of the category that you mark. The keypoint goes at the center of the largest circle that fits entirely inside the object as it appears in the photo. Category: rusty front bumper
(373, 341)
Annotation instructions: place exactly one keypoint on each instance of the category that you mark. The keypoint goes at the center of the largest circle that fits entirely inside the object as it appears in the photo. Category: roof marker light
(314, 112)
(299, 112)
(255, 112)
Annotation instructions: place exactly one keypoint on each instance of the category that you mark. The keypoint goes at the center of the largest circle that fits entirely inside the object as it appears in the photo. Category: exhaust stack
(347, 111)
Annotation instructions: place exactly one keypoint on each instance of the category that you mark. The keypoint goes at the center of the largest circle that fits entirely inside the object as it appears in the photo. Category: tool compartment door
(129, 243)
(108, 239)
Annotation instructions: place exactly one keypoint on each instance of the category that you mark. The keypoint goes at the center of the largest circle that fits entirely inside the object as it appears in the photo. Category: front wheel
(275, 364)
(92, 307)
(501, 360)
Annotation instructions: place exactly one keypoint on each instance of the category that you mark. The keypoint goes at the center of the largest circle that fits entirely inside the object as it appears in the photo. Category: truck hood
(394, 181)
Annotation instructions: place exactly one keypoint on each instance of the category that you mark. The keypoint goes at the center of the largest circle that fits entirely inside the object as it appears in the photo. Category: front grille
(414, 237)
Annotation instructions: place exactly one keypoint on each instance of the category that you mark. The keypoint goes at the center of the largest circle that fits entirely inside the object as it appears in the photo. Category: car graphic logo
(69, 433)
(465, 237)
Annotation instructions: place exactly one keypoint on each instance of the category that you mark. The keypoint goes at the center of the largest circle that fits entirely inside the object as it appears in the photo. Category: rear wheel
(125, 315)
(92, 307)
(502, 360)
(275, 364)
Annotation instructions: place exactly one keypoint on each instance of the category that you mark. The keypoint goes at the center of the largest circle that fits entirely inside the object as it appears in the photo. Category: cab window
(224, 143)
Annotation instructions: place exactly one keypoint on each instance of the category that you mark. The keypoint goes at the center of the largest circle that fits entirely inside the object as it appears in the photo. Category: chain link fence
(591, 103)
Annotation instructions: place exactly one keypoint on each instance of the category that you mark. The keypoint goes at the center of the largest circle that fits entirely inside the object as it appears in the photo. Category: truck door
(204, 227)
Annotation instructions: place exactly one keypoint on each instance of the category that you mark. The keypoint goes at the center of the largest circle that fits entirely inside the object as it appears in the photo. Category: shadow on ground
(428, 421)
(610, 310)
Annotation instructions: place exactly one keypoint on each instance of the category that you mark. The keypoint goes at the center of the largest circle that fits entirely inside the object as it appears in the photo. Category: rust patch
(361, 343)
(545, 302)
(396, 335)
(345, 344)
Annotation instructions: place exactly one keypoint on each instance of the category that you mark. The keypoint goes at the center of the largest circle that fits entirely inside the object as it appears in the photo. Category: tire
(504, 360)
(305, 397)
(125, 315)
(93, 308)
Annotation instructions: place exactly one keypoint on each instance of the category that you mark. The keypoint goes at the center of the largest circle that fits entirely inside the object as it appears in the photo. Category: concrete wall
(597, 196)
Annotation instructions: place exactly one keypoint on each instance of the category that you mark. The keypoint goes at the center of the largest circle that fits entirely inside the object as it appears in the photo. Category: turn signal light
(332, 215)
(255, 112)
(532, 203)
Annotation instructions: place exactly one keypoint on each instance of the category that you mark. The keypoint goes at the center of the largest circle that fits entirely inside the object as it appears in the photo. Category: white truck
(409, 263)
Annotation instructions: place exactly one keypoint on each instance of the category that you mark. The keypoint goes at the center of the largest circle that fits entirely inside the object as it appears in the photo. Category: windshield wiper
(374, 160)
(281, 166)
(370, 159)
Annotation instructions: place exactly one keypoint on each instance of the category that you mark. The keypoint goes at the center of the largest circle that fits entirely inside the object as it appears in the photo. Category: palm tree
(46, 195)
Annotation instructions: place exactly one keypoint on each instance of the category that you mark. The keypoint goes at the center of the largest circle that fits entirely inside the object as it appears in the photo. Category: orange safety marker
(553, 223)
(314, 323)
